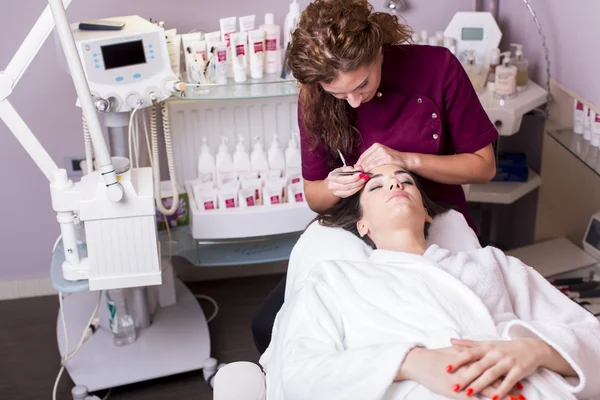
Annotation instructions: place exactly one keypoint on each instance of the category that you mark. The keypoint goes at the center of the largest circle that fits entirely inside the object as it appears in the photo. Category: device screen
(123, 54)
(593, 236)
(472, 34)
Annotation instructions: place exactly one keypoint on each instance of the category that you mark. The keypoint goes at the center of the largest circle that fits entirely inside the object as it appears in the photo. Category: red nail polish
(495, 397)
(470, 391)
(361, 176)
(456, 387)
(521, 397)
(512, 397)
(519, 385)
(449, 368)
(366, 178)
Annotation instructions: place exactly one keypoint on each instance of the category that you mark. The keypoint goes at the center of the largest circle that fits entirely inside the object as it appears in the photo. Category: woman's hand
(379, 154)
(431, 369)
(509, 361)
(345, 186)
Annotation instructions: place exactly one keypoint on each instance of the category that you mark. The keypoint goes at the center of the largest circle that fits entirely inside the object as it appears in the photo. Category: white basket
(256, 221)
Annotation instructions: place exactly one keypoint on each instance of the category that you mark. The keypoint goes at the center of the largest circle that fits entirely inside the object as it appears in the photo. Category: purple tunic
(427, 105)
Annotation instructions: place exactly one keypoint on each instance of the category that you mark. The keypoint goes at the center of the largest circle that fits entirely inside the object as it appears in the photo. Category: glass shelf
(271, 85)
(580, 148)
(219, 253)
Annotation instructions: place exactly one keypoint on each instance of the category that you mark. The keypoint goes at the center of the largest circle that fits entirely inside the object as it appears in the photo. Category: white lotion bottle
(291, 21)
(276, 157)
(224, 161)
(292, 154)
(206, 163)
(258, 159)
(587, 123)
(579, 117)
(241, 160)
(293, 162)
(272, 43)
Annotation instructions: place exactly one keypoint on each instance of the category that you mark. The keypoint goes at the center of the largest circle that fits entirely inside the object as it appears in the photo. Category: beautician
(377, 102)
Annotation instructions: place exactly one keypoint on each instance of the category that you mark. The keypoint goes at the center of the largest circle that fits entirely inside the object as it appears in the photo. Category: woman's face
(358, 86)
(390, 201)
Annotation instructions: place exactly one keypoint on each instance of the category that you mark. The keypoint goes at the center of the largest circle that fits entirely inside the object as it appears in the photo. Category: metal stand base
(177, 341)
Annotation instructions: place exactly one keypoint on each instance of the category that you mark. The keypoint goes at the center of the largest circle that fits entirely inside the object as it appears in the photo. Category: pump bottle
(276, 158)
(225, 171)
(476, 72)
(258, 159)
(506, 78)
(494, 62)
(241, 160)
(206, 164)
(522, 65)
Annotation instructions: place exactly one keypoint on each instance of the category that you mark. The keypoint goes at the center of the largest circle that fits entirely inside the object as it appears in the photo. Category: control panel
(127, 68)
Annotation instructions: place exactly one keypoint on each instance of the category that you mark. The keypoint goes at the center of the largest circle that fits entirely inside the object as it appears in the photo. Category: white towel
(345, 333)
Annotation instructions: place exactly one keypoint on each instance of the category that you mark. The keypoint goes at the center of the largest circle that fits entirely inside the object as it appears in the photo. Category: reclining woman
(421, 323)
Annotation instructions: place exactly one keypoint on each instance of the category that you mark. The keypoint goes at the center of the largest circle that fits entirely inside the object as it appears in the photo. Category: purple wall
(572, 33)
(45, 99)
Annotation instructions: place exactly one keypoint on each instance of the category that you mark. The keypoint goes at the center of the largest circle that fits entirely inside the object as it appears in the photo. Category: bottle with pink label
(272, 43)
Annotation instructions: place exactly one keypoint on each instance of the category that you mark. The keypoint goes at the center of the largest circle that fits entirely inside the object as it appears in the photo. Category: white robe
(345, 333)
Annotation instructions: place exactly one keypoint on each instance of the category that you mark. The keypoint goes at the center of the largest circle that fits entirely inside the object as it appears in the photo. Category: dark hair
(336, 36)
(347, 212)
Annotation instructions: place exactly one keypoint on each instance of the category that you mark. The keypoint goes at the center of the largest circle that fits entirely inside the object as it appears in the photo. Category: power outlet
(72, 165)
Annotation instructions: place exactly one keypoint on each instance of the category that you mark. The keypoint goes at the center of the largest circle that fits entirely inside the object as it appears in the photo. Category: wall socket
(71, 164)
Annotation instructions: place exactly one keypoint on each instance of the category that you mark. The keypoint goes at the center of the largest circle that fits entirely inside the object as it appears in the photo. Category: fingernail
(456, 387)
(519, 385)
(512, 397)
(449, 368)
(366, 178)
(361, 176)
(470, 391)
(521, 397)
(495, 397)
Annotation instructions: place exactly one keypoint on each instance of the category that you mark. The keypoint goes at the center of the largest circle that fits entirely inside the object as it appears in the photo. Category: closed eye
(374, 187)
(407, 183)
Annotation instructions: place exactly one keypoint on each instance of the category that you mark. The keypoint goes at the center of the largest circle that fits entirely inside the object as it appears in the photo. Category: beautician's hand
(509, 361)
(379, 154)
(345, 186)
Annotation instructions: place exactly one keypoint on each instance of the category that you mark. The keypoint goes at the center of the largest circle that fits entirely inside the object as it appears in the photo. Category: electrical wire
(156, 163)
(147, 137)
(546, 55)
(69, 355)
(56, 243)
(214, 303)
(130, 134)
(89, 163)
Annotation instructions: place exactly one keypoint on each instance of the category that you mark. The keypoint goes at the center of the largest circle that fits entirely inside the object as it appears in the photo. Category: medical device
(127, 69)
(127, 66)
(474, 31)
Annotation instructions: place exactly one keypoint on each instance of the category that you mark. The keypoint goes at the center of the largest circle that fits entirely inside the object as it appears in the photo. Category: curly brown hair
(348, 211)
(336, 36)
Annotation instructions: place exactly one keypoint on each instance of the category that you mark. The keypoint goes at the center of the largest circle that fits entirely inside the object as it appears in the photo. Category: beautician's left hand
(379, 154)
(508, 361)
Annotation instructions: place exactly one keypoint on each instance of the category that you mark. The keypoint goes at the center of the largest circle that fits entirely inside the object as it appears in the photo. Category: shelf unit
(580, 148)
(271, 85)
(504, 192)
